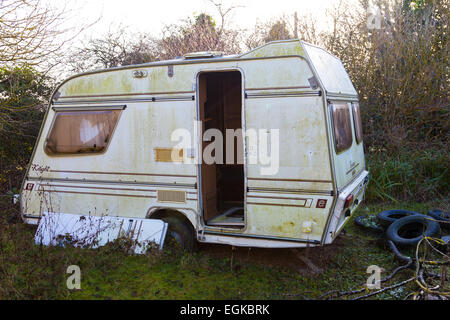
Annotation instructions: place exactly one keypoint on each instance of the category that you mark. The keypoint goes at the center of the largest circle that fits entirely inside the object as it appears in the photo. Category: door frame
(199, 145)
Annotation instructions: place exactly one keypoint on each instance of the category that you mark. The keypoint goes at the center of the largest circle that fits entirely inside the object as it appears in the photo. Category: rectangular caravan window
(342, 126)
(357, 122)
(81, 131)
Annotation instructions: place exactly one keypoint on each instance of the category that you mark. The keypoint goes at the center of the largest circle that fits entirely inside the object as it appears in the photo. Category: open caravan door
(95, 231)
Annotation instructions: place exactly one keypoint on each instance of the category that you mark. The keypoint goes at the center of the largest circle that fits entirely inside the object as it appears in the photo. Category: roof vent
(203, 54)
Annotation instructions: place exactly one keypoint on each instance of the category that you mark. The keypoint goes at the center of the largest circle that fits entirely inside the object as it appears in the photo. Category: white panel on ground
(93, 231)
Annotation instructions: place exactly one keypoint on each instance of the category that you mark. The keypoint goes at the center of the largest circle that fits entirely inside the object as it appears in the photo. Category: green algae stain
(102, 83)
(277, 49)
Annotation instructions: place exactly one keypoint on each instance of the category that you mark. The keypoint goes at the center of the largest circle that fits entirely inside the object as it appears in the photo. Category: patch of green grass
(420, 174)
(33, 272)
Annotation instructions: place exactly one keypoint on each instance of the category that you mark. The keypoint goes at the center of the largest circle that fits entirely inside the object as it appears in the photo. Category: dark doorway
(220, 104)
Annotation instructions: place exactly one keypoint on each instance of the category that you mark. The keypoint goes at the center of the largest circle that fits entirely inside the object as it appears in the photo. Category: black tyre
(180, 233)
(441, 216)
(408, 231)
(386, 218)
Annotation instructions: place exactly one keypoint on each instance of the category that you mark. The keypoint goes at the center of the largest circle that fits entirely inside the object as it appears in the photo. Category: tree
(198, 34)
(28, 30)
(24, 93)
(118, 47)
(23, 97)
(278, 31)
(269, 31)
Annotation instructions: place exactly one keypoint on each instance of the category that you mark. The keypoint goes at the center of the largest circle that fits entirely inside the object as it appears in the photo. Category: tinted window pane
(357, 122)
(342, 126)
(81, 131)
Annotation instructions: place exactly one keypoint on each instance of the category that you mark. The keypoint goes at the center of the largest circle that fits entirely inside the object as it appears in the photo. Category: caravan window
(342, 126)
(357, 122)
(85, 131)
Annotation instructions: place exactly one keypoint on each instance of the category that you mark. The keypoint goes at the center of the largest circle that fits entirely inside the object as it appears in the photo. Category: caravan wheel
(180, 234)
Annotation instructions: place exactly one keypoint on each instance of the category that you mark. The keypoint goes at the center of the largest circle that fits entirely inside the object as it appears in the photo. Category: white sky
(150, 16)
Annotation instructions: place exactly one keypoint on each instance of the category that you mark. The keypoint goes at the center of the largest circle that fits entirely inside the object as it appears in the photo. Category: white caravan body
(106, 146)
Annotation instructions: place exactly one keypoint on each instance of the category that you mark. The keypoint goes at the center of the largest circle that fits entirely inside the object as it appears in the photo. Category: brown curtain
(81, 131)
(342, 126)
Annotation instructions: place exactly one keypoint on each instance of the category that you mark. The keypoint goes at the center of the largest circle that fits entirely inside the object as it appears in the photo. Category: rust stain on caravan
(286, 229)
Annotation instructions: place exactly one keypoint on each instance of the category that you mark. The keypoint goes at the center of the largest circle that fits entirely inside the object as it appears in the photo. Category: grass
(215, 272)
(409, 174)
(28, 271)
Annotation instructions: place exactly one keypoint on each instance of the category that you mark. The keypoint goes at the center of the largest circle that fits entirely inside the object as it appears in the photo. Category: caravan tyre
(408, 231)
(181, 234)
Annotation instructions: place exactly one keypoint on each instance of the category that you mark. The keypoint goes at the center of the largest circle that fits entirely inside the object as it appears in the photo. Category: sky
(150, 16)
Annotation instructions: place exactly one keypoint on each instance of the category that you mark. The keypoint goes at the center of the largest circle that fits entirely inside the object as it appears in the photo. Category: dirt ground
(302, 260)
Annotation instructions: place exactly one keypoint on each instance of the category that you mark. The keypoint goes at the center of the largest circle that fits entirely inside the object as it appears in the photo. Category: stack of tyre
(406, 228)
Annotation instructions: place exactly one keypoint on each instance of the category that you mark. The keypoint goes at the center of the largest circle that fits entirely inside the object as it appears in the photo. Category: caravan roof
(328, 69)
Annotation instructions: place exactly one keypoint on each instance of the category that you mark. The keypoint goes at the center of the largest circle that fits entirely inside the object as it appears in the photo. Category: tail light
(348, 201)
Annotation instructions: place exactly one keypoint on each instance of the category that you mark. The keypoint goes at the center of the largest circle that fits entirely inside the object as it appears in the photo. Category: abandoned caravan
(281, 122)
